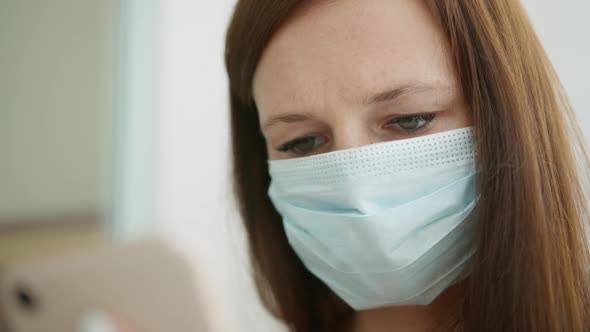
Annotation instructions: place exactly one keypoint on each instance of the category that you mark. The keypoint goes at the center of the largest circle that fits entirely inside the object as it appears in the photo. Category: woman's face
(342, 74)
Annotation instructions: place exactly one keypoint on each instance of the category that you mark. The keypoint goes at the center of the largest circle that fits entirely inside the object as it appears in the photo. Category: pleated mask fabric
(383, 224)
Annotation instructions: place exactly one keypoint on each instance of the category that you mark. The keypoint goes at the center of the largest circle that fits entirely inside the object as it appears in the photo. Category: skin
(343, 74)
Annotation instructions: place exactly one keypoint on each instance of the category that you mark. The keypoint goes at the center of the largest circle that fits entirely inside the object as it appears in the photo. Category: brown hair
(530, 271)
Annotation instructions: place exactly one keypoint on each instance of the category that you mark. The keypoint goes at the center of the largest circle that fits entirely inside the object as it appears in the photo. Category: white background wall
(194, 192)
(564, 28)
(183, 146)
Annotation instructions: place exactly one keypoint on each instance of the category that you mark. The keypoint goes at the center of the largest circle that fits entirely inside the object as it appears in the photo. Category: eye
(303, 145)
(411, 123)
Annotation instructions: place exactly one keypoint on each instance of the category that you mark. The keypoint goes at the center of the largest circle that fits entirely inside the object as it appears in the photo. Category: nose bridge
(351, 132)
(348, 120)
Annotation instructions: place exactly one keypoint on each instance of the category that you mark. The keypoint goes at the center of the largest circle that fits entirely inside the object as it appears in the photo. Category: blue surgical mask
(383, 224)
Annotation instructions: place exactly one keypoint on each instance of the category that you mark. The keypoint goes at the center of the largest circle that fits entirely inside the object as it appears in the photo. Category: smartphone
(146, 283)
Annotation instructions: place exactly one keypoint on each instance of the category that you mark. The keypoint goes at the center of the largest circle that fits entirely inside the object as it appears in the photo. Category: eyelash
(427, 117)
(290, 146)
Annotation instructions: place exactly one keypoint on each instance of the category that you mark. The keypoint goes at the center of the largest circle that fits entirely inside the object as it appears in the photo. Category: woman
(407, 165)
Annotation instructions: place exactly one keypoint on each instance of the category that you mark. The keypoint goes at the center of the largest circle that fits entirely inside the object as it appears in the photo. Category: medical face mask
(383, 224)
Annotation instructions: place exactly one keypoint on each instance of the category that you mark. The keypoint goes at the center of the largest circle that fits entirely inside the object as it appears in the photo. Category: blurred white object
(97, 321)
(147, 284)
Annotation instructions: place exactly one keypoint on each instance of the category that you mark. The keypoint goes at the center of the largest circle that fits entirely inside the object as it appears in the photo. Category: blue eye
(411, 123)
(303, 145)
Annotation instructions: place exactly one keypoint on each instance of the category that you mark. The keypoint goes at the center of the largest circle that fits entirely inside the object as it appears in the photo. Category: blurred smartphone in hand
(145, 287)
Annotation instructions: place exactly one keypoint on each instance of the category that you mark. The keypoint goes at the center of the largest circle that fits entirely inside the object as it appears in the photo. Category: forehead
(338, 51)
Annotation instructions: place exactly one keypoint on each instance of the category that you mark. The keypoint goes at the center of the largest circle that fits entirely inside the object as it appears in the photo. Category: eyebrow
(287, 118)
(377, 98)
(392, 94)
